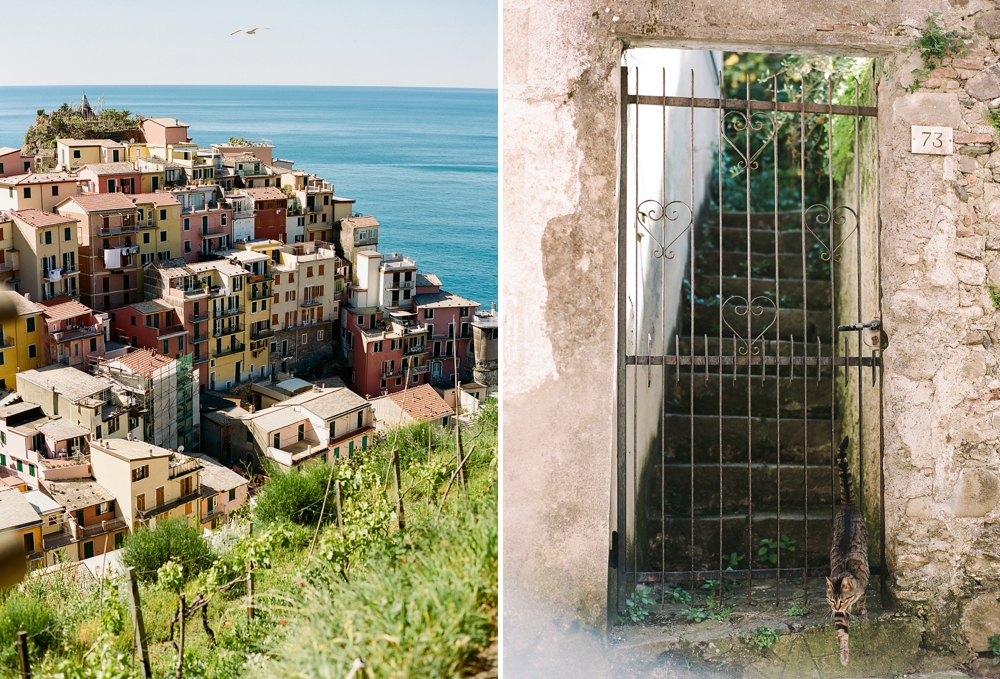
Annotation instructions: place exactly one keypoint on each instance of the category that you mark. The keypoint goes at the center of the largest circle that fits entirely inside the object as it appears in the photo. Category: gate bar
(680, 576)
(676, 359)
(752, 105)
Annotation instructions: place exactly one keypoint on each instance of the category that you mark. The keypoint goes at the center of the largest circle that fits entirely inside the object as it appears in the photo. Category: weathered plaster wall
(560, 201)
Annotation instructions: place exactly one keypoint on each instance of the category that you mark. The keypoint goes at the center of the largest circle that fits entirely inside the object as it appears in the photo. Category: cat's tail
(846, 484)
(840, 622)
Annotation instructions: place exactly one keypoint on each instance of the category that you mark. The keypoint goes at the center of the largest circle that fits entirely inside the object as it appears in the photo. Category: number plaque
(934, 140)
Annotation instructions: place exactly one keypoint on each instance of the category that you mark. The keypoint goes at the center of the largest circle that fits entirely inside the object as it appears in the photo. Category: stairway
(745, 438)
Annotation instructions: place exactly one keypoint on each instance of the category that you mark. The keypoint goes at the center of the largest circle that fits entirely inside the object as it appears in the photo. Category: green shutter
(20, 468)
(3, 460)
(350, 449)
(119, 540)
(79, 516)
(364, 443)
(336, 452)
(31, 469)
(88, 549)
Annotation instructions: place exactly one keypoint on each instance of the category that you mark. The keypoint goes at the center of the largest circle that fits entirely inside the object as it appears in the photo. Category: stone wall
(940, 242)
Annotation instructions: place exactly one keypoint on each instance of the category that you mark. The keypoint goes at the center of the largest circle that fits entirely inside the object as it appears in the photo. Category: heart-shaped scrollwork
(653, 211)
(748, 124)
(754, 308)
(826, 216)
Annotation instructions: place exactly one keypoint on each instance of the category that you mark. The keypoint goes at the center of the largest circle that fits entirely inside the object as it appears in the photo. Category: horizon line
(399, 87)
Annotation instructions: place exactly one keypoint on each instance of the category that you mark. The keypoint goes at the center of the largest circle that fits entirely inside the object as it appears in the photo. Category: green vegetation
(797, 611)
(421, 601)
(637, 605)
(174, 541)
(994, 642)
(712, 610)
(934, 45)
(762, 638)
(679, 595)
(68, 122)
(994, 291)
(768, 551)
(733, 560)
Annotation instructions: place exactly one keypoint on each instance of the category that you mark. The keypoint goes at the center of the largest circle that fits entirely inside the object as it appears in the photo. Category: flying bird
(252, 31)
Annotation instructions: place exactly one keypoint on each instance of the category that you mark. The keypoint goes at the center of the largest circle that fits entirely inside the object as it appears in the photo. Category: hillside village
(178, 319)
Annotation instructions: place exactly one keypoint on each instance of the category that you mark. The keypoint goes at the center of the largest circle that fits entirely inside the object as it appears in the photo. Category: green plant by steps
(637, 605)
(761, 638)
(796, 610)
(935, 44)
(679, 595)
(768, 551)
(994, 291)
(698, 614)
(993, 118)
(711, 611)
(994, 642)
(732, 560)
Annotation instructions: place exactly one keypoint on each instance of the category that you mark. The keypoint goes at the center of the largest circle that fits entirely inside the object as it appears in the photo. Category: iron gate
(749, 340)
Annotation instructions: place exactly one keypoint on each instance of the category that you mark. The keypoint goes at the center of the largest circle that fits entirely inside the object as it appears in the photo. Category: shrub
(175, 539)
(21, 613)
(293, 496)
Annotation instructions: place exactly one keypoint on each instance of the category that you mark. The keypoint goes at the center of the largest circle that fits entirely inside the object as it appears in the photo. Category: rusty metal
(741, 105)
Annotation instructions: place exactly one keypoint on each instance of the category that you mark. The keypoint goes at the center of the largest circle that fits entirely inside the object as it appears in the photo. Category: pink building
(72, 333)
(12, 162)
(34, 447)
(448, 319)
(163, 131)
(112, 177)
(206, 222)
(222, 491)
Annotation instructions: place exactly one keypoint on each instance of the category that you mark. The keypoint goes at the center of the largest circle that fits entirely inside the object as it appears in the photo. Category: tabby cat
(848, 557)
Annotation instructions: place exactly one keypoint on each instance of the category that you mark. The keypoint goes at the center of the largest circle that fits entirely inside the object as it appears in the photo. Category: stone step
(677, 479)
(675, 553)
(795, 393)
(734, 263)
(707, 286)
(763, 434)
(762, 240)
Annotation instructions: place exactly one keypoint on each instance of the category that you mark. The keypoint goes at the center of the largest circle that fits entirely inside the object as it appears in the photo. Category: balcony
(97, 529)
(235, 311)
(171, 330)
(234, 348)
(419, 369)
(243, 214)
(212, 232)
(189, 293)
(415, 349)
(117, 230)
(400, 285)
(229, 330)
(258, 277)
(261, 334)
(52, 275)
(393, 373)
(7, 266)
(310, 301)
(181, 467)
(198, 340)
(77, 332)
(198, 360)
(198, 318)
(6, 343)
(262, 292)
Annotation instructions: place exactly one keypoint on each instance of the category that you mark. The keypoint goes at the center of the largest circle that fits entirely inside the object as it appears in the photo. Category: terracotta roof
(145, 361)
(23, 307)
(38, 178)
(63, 308)
(359, 221)
(39, 219)
(158, 198)
(266, 193)
(421, 403)
(442, 298)
(98, 202)
(110, 168)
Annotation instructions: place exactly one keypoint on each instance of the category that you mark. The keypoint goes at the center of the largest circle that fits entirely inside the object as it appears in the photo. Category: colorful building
(72, 333)
(89, 523)
(20, 337)
(121, 177)
(269, 205)
(222, 491)
(19, 520)
(72, 154)
(47, 249)
(41, 191)
(12, 162)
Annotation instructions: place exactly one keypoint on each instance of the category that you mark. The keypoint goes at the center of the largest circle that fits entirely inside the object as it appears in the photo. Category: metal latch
(871, 333)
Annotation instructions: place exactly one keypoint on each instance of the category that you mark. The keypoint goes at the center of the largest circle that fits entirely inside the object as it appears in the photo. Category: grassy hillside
(66, 122)
(417, 602)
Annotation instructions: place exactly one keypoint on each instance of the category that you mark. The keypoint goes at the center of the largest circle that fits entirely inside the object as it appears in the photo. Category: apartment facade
(35, 447)
(72, 333)
(48, 254)
(159, 216)
(206, 221)
(19, 519)
(269, 205)
(87, 524)
(114, 177)
(20, 337)
(109, 248)
(222, 491)
(72, 154)
(356, 234)
(12, 162)
(149, 483)
(171, 283)
(41, 191)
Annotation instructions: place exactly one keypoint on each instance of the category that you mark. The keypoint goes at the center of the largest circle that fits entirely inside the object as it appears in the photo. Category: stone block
(972, 138)
(970, 272)
(988, 23)
(980, 620)
(976, 493)
(969, 63)
(931, 83)
(965, 163)
(985, 85)
(972, 247)
(944, 73)
(974, 150)
(929, 108)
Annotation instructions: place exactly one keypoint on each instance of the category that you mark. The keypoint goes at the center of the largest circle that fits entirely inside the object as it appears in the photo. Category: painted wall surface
(561, 163)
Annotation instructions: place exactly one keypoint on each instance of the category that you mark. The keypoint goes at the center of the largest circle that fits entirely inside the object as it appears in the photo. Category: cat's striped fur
(848, 557)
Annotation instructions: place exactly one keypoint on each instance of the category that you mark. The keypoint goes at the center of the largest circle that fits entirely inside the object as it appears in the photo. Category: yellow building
(72, 154)
(20, 339)
(19, 521)
(47, 246)
(10, 261)
(149, 483)
(159, 228)
(41, 191)
(230, 358)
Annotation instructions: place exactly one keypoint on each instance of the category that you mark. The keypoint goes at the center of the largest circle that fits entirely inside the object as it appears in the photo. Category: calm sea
(423, 161)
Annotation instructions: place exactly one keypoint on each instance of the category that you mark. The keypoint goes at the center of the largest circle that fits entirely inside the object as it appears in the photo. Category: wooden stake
(322, 508)
(179, 672)
(399, 496)
(139, 627)
(340, 509)
(458, 429)
(250, 585)
(22, 654)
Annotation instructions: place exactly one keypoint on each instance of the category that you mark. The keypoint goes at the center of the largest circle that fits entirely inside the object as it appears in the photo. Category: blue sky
(396, 43)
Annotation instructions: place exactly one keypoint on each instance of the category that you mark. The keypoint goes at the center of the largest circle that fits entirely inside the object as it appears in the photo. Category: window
(55, 190)
(76, 153)
(27, 192)
(88, 549)
(29, 543)
(302, 431)
(112, 425)
(3, 439)
(291, 277)
(305, 338)
(361, 419)
(166, 347)
(309, 272)
(376, 347)
(180, 343)
(277, 440)
(140, 502)
(93, 344)
(232, 494)
(326, 200)
(428, 313)
(98, 432)
(223, 219)
(204, 223)
(32, 351)
(140, 472)
(111, 186)
(333, 430)
(20, 466)
(31, 469)
(463, 311)
(30, 325)
(210, 504)
(163, 214)
(187, 223)
(163, 236)
(145, 238)
(48, 238)
(187, 246)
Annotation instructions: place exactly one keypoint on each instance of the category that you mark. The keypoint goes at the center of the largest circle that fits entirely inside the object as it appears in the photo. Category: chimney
(27, 296)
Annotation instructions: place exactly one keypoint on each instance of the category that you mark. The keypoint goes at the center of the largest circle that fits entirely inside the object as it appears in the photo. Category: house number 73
(932, 140)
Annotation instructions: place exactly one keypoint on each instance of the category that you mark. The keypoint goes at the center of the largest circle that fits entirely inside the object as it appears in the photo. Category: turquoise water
(423, 161)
